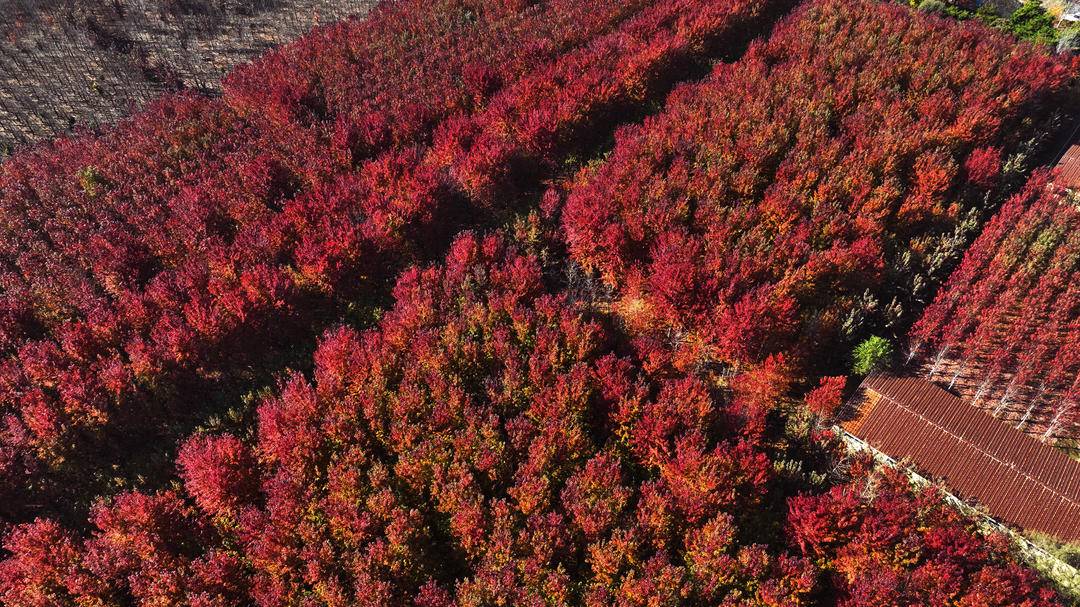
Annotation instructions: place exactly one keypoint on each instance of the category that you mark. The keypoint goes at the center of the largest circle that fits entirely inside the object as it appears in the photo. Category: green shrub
(871, 355)
(947, 9)
(934, 6)
(1032, 22)
(91, 181)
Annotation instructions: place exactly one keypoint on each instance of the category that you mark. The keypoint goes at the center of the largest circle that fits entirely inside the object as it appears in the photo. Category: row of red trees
(483, 445)
(767, 204)
(881, 545)
(1005, 328)
(147, 269)
(351, 90)
(492, 439)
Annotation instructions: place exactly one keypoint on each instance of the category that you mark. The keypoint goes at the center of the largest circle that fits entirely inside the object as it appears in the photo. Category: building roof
(1069, 168)
(1017, 478)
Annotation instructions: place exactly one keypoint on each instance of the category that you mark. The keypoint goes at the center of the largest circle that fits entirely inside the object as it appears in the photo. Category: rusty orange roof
(1069, 168)
(1019, 479)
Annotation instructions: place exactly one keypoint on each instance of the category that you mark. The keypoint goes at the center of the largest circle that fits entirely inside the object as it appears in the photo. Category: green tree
(871, 355)
(1032, 22)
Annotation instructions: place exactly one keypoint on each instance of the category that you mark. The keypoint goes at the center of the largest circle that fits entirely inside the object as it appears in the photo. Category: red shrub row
(1005, 328)
(269, 254)
(352, 89)
(88, 220)
(482, 423)
(759, 212)
(482, 446)
(880, 545)
(530, 127)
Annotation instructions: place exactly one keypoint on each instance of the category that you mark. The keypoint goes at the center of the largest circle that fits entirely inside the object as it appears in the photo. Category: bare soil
(71, 63)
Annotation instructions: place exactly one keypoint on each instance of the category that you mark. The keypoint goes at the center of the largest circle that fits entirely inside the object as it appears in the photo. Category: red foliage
(595, 496)
(524, 130)
(481, 445)
(750, 217)
(826, 399)
(217, 472)
(350, 90)
(482, 422)
(45, 557)
(883, 546)
(149, 267)
(1005, 328)
(490, 440)
(983, 167)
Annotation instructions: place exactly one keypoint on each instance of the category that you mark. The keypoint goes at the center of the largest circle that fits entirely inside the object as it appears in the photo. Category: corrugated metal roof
(1069, 168)
(1019, 479)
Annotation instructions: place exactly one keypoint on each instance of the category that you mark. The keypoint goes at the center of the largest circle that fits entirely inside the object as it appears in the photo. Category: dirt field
(68, 63)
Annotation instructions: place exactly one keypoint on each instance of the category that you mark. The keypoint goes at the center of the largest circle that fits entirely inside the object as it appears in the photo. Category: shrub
(1032, 22)
(934, 6)
(751, 216)
(825, 400)
(873, 354)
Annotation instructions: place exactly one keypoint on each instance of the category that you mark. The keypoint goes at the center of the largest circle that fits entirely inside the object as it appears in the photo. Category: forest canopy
(526, 302)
